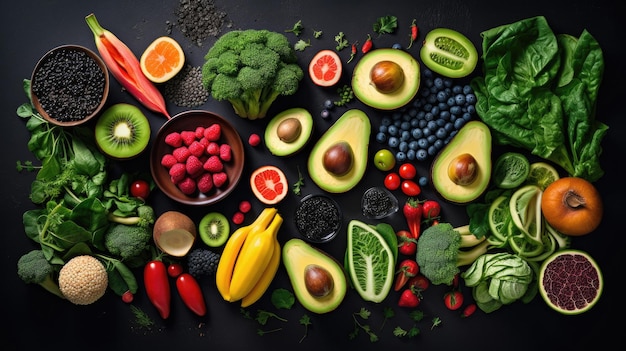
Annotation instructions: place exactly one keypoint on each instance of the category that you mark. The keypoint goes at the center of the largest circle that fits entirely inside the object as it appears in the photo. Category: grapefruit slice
(325, 68)
(570, 281)
(162, 59)
(269, 184)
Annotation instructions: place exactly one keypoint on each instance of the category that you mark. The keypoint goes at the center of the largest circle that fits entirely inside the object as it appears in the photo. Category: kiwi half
(122, 131)
(214, 229)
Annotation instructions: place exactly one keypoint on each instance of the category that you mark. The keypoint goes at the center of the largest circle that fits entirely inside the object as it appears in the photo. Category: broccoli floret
(201, 262)
(251, 69)
(145, 217)
(34, 268)
(442, 249)
(129, 242)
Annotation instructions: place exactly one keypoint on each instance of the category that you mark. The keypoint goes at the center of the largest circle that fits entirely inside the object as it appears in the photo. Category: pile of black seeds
(199, 20)
(378, 203)
(186, 89)
(317, 218)
(69, 84)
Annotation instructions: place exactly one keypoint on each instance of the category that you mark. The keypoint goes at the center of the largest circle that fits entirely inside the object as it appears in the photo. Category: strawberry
(196, 148)
(187, 186)
(181, 153)
(178, 172)
(219, 179)
(408, 268)
(213, 132)
(213, 164)
(173, 139)
(453, 300)
(409, 298)
(193, 166)
(205, 182)
(406, 244)
(254, 139)
(225, 153)
(213, 148)
(188, 137)
(168, 160)
(419, 282)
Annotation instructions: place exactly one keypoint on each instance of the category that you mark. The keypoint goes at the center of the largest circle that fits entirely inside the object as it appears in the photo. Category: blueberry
(403, 146)
(459, 123)
(382, 128)
(406, 125)
(431, 139)
(467, 89)
(421, 155)
(442, 96)
(438, 82)
(406, 135)
(427, 73)
(432, 150)
(413, 145)
(422, 143)
(329, 104)
(386, 121)
(396, 46)
(400, 156)
(422, 181)
(470, 98)
(441, 133)
(392, 130)
(410, 155)
(459, 99)
(416, 133)
(381, 137)
(457, 89)
(393, 142)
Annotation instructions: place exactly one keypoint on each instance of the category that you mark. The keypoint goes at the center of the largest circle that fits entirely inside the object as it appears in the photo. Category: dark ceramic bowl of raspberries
(197, 158)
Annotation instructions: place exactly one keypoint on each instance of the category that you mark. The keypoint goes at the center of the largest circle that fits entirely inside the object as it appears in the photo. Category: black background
(34, 318)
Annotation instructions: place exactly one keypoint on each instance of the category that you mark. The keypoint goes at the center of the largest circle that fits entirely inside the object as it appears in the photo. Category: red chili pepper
(469, 310)
(191, 293)
(367, 46)
(412, 211)
(408, 268)
(158, 286)
(414, 33)
(353, 51)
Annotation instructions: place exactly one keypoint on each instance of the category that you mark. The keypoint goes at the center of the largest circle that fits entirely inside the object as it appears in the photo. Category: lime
(541, 174)
(570, 281)
(370, 262)
(510, 170)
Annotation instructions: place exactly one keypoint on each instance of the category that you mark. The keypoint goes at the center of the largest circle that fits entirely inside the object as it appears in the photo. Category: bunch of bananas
(250, 259)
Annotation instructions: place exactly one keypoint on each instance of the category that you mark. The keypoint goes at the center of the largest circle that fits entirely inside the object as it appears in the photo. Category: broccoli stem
(134, 220)
(49, 284)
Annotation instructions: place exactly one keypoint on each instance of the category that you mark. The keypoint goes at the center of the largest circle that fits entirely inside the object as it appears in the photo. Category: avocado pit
(338, 158)
(463, 169)
(387, 76)
(289, 129)
(318, 280)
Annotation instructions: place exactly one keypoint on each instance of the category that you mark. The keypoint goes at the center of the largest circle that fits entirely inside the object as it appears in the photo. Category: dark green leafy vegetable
(539, 92)
(385, 25)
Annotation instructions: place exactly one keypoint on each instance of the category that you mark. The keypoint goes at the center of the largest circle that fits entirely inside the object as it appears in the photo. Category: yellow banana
(231, 250)
(266, 278)
(253, 259)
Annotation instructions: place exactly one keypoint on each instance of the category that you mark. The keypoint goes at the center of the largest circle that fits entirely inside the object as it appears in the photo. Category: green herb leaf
(283, 298)
(297, 28)
(297, 186)
(385, 25)
(302, 44)
(341, 41)
(306, 321)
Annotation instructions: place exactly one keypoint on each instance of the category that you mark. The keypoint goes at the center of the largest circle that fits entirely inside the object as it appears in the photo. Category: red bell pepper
(157, 285)
(413, 211)
(191, 293)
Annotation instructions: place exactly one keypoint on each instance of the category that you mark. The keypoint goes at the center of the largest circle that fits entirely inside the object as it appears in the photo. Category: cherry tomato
(407, 171)
(410, 188)
(140, 189)
(174, 269)
(453, 300)
(392, 181)
(128, 297)
(431, 209)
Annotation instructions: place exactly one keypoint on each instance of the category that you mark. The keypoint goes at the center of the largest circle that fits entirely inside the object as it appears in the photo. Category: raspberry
(181, 153)
(173, 139)
(187, 186)
(204, 141)
(193, 166)
(213, 132)
(196, 148)
(238, 217)
(254, 139)
(225, 153)
(205, 182)
(213, 164)
(188, 137)
(199, 132)
(168, 160)
(219, 179)
(213, 148)
(245, 206)
(178, 172)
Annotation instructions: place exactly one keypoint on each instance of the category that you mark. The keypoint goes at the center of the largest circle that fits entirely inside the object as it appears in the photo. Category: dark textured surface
(36, 319)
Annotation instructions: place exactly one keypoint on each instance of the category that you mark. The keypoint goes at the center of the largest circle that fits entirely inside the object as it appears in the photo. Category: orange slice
(162, 60)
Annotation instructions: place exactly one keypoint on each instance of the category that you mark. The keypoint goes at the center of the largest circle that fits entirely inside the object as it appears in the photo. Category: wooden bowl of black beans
(69, 85)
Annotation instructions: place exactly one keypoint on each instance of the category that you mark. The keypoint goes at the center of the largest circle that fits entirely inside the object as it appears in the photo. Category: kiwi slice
(122, 131)
(214, 229)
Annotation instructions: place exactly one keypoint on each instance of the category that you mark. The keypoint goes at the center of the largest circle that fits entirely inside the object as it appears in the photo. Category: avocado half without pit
(386, 78)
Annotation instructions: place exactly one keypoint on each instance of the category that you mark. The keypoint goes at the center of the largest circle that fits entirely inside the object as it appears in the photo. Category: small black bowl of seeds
(318, 218)
(69, 85)
(378, 202)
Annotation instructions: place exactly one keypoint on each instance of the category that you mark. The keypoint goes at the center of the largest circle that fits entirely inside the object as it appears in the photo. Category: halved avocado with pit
(461, 172)
(366, 91)
(351, 130)
(289, 131)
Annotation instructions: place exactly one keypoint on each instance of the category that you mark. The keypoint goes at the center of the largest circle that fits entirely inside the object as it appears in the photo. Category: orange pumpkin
(572, 205)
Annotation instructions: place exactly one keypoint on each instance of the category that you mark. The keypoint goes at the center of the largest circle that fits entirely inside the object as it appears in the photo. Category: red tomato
(431, 209)
(453, 300)
(174, 270)
(406, 244)
(407, 171)
(410, 188)
(419, 283)
(392, 181)
(128, 297)
(140, 189)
